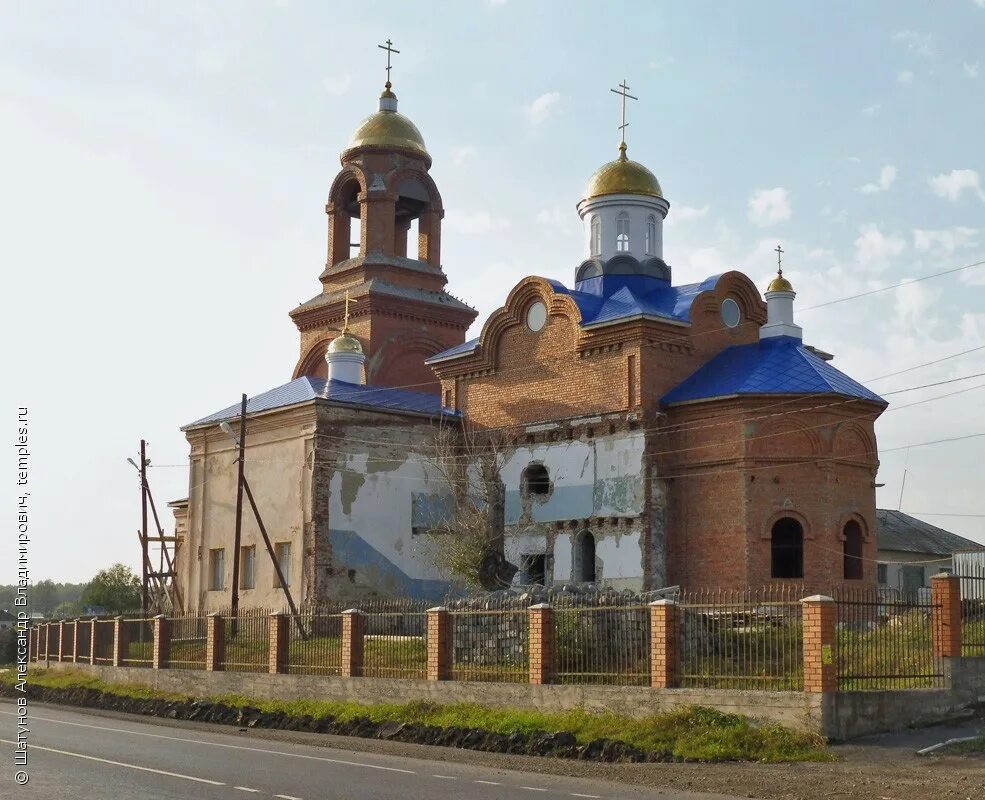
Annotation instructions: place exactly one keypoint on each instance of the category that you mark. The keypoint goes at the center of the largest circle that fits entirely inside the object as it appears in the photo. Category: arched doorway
(852, 547)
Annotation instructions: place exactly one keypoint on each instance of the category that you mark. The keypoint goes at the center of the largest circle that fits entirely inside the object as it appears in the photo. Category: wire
(926, 364)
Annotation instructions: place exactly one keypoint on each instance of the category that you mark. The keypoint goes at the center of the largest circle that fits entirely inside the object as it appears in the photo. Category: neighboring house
(911, 551)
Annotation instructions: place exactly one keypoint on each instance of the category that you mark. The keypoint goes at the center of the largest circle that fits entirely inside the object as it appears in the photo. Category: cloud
(945, 242)
(905, 77)
(688, 213)
(769, 206)
(873, 248)
(922, 44)
(953, 184)
(886, 177)
(337, 84)
(871, 111)
(661, 62)
(555, 220)
(459, 155)
(972, 70)
(475, 224)
(540, 109)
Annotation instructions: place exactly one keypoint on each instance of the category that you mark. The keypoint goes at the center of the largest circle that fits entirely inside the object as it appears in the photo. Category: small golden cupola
(345, 354)
(623, 209)
(779, 305)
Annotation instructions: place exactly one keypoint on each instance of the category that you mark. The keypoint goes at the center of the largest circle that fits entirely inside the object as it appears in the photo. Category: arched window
(651, 235)
(622, 233)
(853, 551)
(596, 244)
(585, 557)
(536, 481)
(787, 549)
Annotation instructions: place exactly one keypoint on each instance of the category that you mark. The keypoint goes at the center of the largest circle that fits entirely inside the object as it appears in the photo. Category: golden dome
(623, 176)
(346, 343)
(389, 130)
(779, 284)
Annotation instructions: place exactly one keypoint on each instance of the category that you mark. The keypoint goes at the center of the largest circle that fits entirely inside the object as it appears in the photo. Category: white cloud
(871, 111)
(954, 183)
(475, 223)
(769, 206)
(337, 84)
(980, 3)
(459, 155)
(688, 213)
(215, 57)
(944, 242)
(905, 77)
(886, 177)
(662, 62)
(920, 43)
(540, 109)
(972, 70)
(873, 248)
(556, 220)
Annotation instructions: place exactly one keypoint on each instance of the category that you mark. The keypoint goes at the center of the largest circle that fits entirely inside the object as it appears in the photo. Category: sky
(165, 168)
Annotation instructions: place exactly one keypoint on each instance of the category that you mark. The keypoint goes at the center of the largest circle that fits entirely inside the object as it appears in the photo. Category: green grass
(694, 733)
(889, 656)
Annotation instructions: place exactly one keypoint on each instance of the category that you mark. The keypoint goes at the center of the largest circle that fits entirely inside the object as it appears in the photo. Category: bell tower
(401, 314)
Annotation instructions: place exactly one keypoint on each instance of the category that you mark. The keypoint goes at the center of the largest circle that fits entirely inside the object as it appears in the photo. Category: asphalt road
(79, 756)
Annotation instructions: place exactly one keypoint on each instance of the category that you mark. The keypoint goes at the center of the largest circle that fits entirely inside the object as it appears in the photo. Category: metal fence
(973, 614)
(247, 641)
(136, 642)
(395, 639)
(319, 650)
(742, 639)
(188, 642)
(602, 644)
(491, 643)
(885, 641)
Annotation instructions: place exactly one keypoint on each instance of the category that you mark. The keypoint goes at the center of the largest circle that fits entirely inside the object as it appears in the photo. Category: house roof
(777, 365)
(899, 531)
(306, 388)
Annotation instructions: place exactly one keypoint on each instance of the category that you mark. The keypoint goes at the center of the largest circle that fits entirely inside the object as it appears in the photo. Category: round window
(731, 313)
(536, 316)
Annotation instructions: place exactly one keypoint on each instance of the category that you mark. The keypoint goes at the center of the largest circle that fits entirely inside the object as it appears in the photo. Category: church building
(646, 433)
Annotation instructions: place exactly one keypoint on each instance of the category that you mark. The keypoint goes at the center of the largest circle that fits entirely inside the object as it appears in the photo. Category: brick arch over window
(399, 362)
(783, 438)
(854, 442)
(853, 536)
(313, 363)
(342, 205)
(706, 308)
(787, 548)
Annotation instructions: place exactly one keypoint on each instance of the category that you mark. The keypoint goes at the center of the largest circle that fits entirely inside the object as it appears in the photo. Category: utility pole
(239, 514)
(143, 527)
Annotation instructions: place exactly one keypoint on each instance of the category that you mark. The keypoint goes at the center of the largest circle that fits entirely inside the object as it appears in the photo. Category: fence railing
(766, 639)
(885, 641)
(750, 639)
(972, 614)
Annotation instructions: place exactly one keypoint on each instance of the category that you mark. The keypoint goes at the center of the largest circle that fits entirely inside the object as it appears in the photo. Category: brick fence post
(440, 644)
(119, 642)
(215, 642)
(161, 647)
(945, 593)
(819, 621)
(664, 644)
(279, 632)
(75, 641)
(61, 640)
(93, 631)
(543, 643)
(353, 642)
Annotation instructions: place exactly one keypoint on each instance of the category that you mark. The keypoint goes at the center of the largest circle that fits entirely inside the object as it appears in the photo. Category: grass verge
(693, 733)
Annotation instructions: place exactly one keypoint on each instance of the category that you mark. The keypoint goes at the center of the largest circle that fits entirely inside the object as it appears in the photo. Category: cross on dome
(623, 92)
(779, 260)
(389, 51)
(345, 319)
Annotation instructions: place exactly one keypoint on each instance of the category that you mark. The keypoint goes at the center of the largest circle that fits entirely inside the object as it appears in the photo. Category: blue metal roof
(307, 388)
(778, 365)
(610, 298)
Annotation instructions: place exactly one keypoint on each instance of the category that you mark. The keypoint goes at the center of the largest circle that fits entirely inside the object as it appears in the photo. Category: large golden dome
(623, 176)
(390, 130)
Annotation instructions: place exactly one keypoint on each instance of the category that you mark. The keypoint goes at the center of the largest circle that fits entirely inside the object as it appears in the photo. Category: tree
(116, 589)
(468, 534)
(44, 596)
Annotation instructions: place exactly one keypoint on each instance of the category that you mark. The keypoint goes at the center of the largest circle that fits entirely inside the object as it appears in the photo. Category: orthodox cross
(623, 92)
(345, 321)
(779, 259)
(389, 51)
